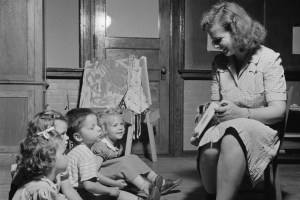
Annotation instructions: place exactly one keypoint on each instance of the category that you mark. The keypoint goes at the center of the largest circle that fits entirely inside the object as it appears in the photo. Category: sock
(152, 176)
(126, 195)
(141, 184)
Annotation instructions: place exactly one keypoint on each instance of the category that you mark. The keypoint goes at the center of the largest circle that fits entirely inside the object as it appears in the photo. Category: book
(207, 116)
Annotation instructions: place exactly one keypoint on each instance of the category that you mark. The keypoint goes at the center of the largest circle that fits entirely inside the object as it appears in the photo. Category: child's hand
(121, 183)
(114, 191)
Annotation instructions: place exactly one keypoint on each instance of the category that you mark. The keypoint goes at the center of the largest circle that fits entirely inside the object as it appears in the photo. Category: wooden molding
(188, 74)
(64, 73)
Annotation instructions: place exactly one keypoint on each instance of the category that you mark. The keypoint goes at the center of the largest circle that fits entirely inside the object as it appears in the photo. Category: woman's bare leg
(209, 156)
(231, 168)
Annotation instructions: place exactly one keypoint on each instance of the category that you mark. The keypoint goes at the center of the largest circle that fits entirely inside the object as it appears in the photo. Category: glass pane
(196, 54)
(133, 18)
(62, 33)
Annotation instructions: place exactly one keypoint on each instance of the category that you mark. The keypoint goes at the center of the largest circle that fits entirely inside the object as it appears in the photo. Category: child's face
(61, 159)
(90, 131)
(115, 128)
(61, 127)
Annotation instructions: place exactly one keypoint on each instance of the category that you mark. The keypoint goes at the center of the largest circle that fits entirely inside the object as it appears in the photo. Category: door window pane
(62, 33)
(133, 18)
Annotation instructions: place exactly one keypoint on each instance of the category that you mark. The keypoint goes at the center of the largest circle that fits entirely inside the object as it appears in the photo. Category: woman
(249, 85)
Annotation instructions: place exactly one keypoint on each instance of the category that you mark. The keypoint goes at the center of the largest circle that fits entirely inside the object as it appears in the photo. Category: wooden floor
(182, 167)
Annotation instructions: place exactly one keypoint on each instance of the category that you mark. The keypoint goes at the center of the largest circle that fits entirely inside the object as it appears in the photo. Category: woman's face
(221, 39)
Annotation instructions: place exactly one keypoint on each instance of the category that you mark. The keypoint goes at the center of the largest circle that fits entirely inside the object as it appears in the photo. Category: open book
(207, 116)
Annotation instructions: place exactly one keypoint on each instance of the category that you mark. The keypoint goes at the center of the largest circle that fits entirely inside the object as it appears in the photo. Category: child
(39, 123)
(129, 167)
(41, 160)
(84, 131)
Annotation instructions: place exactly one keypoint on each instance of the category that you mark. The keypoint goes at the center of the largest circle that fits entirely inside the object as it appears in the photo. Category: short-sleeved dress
(262, 81)
(19, 177)
(115, 165)
(43, 189)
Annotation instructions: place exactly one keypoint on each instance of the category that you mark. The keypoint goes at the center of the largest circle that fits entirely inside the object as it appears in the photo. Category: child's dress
(43, 189)
(116, 166)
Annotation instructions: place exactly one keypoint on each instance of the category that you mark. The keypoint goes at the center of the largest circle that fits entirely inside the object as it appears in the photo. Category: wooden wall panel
(21, 33)
(281, 17)
(16, 107)
(13, 30)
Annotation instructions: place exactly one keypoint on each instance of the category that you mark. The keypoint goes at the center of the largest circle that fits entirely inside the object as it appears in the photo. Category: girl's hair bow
(46, 132)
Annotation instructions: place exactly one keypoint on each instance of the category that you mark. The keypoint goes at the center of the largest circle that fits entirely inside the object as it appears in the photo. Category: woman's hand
(228, 110)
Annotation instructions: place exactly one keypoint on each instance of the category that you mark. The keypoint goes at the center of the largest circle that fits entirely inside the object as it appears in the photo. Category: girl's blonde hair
(41, 121)
(105, 117)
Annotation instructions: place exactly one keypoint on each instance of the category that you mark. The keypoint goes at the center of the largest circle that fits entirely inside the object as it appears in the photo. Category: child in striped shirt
(84, 131)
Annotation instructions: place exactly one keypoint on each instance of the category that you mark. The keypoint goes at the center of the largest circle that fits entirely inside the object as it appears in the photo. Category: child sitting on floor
(42, 158)
(39, 123)
(82, 165)
(129, 167)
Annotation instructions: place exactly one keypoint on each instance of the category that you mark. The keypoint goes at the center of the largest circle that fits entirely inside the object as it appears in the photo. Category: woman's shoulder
(265, 54)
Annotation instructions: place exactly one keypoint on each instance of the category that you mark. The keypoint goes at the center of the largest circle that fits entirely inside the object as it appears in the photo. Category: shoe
(158, 181)
(154, 193)
(169, 185)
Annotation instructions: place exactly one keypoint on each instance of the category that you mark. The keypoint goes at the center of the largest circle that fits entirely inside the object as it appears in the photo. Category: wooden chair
(272, 184)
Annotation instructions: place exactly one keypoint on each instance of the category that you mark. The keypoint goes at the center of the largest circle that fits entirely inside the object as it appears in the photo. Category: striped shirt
(81, 165)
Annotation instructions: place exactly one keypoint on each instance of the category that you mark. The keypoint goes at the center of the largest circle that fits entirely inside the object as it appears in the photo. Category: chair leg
(129, 141)
(151, 138)
(278, 194)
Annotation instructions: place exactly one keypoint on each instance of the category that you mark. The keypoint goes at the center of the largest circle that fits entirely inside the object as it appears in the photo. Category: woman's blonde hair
(246, 32)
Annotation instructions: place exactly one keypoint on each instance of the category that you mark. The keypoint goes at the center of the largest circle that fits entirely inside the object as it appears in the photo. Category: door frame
(176, 81)
(176, 59)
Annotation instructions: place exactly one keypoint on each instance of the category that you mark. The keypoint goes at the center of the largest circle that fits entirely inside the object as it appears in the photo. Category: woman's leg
(231, 168)
(209, 156)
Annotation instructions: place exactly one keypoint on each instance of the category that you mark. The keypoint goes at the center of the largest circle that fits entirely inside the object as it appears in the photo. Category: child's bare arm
(98, 188)
(69, 191)
(110, 182)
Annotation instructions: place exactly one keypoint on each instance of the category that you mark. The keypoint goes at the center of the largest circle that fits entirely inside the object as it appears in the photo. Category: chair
(272, 185)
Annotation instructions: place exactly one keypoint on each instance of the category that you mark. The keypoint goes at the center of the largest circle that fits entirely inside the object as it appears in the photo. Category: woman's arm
(271, 114)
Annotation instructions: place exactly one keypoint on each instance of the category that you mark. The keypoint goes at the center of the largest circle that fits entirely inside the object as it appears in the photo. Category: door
(22, 85)
(131, 33)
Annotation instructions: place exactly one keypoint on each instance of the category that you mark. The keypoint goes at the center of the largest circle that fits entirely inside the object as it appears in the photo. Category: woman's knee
(209, 154)
(230, 145)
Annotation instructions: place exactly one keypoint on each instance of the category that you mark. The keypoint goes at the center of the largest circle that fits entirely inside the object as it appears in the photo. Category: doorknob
(163, 72)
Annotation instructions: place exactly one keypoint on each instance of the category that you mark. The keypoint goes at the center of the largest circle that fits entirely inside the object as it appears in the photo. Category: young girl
(129, 167)
(41, 160)
(39, 123)
(84, 131)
